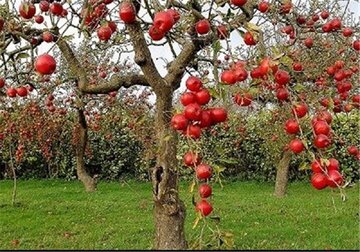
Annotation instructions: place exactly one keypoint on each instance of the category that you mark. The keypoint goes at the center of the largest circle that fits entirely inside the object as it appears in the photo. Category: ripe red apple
(205, 120)
(353, 150)
(286, 7)
(27, 10)
(39, 19)
(316, 166)
(356, 45)
(298, 67)
(205, 191)
(191, 159)
(319, 181)
(22, 91)
(292, 126)
(326, 27)
(44, 5)
(249, 39)
(333, 165)
(238, 3)
(240, 73)
(156, 34)
(56, 8)
(300, 110)
(47, 36)
(104, 33)
(263, 6)
(179, 122)
(356, 100)
(203, 171)
(228, 77)
(187, 98)
(321, 141)
(321, 127)
(301, 20)
(218, 115)
(282, 94)
(193, 131)
(325, 116)
(347, 32)
(193, 112)
(127, 12)
(315, 17)
(282, 77)
(45, 64)
(203, 26)
(175, 14)
(11, 92)
(193, 83)
(164, 21)
(309, 42)
(63, 14)
(112, 25)
(336, 24)
(324, 14)
(296, 146)
(204, 207)
(202, 97)
(334, 179)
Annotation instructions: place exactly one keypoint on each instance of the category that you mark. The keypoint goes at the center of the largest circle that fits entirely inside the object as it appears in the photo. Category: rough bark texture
(88, 181)
(169, 211)
(282, 175)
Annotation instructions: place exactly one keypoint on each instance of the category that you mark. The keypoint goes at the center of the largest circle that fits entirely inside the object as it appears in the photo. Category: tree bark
(86, 179)
(169, 210)
(282, 175)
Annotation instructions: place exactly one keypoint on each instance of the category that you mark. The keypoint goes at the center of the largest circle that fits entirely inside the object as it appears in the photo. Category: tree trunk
(282, 175)
(88, 181)
(169, 210)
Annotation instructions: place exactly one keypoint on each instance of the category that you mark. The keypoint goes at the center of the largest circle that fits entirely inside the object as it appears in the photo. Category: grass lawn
(60, 215)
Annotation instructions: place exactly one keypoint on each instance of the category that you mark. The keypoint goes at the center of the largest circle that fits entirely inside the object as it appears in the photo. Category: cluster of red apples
(191, 122)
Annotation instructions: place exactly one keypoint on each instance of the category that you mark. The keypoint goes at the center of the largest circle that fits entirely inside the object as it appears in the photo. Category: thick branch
(116, 82)
(143, 57)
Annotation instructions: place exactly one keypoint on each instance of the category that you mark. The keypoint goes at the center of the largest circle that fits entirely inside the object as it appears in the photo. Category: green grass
(60, 215)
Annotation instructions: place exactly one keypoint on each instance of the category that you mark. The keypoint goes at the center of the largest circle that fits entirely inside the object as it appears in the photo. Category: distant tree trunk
(13, 170)
(169, 211)
(88, 181)
(282, 175)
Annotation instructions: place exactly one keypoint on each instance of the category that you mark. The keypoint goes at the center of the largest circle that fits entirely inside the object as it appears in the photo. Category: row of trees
(99, 46)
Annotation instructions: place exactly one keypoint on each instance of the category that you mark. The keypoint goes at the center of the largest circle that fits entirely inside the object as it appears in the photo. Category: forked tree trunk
(169, 210)
(282, 175)
(86, 179)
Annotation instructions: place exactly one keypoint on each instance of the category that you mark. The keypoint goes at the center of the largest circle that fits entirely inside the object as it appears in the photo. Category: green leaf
(216, 47)
(304, 166)
(67, 37)
(213, 92)
(192, 186)
(22, 56)
(228, 160)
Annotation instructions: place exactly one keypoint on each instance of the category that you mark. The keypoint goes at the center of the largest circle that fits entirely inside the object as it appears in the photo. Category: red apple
(202, 26)
(45, 64)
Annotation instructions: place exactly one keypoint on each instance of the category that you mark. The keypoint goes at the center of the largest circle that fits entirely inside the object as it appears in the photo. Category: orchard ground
(54, 214)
